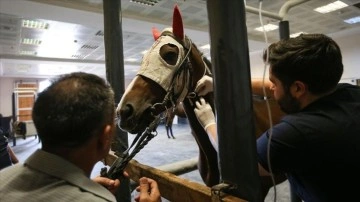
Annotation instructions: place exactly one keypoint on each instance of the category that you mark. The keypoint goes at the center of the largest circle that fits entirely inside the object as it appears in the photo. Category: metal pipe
(282, 12)
(288, 5)
(264, 13)
(180, 167)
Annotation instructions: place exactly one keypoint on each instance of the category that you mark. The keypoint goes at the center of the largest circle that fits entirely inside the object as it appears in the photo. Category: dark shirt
(319, 147)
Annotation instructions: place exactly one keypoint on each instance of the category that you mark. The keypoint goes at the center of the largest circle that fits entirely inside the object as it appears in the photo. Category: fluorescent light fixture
(23, 52)
(35, 24)
(145, 2)
(296, 34)
(130, 59)
(331, 7)
(267, 28)
(353, 20)
(23, 68)
(207, 47)
(31, 41)
(58, 43)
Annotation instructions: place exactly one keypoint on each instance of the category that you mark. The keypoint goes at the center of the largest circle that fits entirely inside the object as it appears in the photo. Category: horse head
(168, 73)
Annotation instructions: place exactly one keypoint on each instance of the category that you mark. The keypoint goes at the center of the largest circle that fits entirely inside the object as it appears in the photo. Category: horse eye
(169, 53)
(170, 58)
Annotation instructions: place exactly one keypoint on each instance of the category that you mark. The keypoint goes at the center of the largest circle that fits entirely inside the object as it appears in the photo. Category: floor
(159, 151)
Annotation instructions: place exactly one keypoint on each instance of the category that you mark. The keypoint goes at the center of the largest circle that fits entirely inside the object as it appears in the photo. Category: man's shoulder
(59, 191)
(31, 185)
(346, 91)
(6, 172)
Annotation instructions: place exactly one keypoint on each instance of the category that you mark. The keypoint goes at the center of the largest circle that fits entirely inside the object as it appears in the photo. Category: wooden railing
(172, 187)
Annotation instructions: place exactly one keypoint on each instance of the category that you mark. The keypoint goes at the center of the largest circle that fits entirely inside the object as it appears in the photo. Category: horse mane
(207, 62)
(205, 59)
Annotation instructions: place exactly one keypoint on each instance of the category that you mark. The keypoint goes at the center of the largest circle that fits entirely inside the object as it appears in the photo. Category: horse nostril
(126, 112)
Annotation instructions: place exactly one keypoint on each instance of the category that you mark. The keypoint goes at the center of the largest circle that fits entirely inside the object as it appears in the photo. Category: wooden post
(233, 98)
(115, 75)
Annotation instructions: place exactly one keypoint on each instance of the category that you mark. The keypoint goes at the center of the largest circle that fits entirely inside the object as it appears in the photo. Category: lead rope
(117, 168)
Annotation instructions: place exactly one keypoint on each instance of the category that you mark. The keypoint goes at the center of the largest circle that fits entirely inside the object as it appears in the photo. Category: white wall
(257, 65)
(6, 89)
(350, 47)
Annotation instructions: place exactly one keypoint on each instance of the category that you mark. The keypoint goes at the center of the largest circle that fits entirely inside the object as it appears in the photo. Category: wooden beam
(172, 187)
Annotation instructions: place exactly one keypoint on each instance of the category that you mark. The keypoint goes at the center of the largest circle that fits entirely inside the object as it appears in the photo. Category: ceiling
(74, 38)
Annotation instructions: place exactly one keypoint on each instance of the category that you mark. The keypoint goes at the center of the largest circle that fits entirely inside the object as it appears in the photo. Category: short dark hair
(72, 109)
(314, 59)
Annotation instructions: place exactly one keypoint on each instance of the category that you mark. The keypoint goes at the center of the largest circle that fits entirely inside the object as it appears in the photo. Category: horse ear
(178, 28)
(156, 33)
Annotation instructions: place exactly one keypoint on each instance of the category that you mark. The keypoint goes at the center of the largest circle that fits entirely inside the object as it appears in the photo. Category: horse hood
(154, 67)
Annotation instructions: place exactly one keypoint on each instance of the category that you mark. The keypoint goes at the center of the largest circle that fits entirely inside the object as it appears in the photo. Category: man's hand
(204, 86)
(149, 191)
(111, 185)
(204, 113)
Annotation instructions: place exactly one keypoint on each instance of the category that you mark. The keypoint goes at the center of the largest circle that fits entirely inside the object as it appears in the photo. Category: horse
(168, 75)
(170, 114)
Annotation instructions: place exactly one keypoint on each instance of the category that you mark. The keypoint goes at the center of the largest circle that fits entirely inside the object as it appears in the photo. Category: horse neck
(198, 65)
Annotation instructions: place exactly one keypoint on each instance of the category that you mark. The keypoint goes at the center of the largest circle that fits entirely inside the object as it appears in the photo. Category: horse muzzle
(129, 121)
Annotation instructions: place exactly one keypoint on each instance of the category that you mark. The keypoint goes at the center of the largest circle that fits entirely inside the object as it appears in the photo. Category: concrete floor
(159, 151)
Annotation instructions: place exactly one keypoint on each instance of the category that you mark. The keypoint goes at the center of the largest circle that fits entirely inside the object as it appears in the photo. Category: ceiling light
(23, 68)
(130, 59)
(331, 7)
(296, 34)
(35, 24)
(353, 20)
(145, 2)
(63, 40)
(267, 28)
(31, 41)
(28, 52)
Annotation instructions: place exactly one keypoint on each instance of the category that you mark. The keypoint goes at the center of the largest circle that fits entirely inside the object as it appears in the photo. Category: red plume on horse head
(156, 33)
(178, 27)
